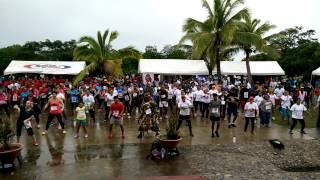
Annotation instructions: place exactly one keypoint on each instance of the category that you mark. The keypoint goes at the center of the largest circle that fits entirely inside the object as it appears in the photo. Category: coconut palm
(216, 32)
(255, 40)
(100, 56)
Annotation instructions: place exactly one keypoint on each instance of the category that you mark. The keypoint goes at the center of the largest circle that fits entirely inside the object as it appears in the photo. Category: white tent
(258, 68)
(45, 67)
(316, 72)
(173, 67)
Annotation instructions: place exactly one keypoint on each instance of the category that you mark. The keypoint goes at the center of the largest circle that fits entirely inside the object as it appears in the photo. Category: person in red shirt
(15, 96)
(56, 107)
(116, 115)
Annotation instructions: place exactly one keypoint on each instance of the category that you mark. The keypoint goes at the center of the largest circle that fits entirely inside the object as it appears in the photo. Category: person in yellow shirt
(81, 119)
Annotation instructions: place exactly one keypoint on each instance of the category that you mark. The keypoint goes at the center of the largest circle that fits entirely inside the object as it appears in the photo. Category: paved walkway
(97, 156)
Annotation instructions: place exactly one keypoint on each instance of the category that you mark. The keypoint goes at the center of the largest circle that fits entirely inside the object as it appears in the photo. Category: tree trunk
(249, 69)
(218, 64)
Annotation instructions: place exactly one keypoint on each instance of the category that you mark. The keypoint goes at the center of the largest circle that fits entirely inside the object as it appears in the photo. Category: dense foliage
(299, 52)
(43, 50)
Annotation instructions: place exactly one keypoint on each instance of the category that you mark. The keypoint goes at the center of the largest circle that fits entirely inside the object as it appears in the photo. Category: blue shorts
(285, 112)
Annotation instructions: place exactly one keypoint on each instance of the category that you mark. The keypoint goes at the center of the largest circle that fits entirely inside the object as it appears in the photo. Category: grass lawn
(310, 118)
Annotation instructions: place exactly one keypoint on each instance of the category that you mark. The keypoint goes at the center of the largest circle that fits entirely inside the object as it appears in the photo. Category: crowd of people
(150, 102)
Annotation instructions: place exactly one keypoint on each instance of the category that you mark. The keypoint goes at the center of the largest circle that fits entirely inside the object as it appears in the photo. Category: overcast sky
(139, 22)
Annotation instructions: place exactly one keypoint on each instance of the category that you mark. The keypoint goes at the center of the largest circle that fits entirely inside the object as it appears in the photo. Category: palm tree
(251, 38)
(215, 33)
(100, 56)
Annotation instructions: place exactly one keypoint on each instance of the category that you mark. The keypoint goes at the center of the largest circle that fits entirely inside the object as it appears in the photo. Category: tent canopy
(258, 68)
(316, 72)
(173, 67)
(45, 67)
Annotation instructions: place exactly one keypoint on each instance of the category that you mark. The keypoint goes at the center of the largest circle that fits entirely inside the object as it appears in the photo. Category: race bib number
(126, 98)
(135, 94)
(268, 107)
(215, 110)
(14, 98)
(44, 96)
(115, 113)
(54, 108)
(170, 96)
(74, 99)
(223, 102)
(148, 111)
(246, 95)
(163, 96)
(164, 103)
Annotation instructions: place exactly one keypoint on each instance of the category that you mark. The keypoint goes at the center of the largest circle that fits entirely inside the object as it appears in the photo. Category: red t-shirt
(116, 108)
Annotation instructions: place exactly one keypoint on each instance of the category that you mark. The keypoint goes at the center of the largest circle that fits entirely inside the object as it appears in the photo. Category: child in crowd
(81, 119)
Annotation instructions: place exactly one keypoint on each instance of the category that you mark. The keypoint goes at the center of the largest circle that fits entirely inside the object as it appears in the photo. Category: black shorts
(213, 118)
(232, 112)
(184, 117)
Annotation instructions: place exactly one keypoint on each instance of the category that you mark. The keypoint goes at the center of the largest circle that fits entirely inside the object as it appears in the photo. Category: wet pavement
(98, 157)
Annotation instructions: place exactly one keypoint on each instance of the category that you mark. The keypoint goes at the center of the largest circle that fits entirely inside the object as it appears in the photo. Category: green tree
(151, 52)
(100, 55)
(292, 38)
(215, 33)
(299, 52)
(176, 52)
(251, 38)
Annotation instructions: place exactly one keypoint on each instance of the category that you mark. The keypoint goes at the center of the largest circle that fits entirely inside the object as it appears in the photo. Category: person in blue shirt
(120, 91)
(74, 98)
(24, 95)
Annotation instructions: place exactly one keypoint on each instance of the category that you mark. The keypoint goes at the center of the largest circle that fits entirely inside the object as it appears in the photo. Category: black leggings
(107, 109)
(92, 115)
(187, 118)
(205, 109)
(50, 118)
(294, 123)
(127, 107)
(196, 105)
(251, 119)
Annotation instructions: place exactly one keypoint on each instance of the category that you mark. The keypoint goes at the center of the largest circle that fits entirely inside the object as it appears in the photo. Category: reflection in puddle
(55, 147)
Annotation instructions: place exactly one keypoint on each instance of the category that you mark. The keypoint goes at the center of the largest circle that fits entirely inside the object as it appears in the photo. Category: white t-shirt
(258, 100)
(109, 99)
(206, 98)
(286, 101)
(184, 107)
(273, 98)
(297, 111)
(250, 109)
(198, 95)
(279, 92)
(88, 100)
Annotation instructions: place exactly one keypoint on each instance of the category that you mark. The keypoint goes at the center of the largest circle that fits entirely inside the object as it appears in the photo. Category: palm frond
(113, 35)
(206, 5)
(91, 67)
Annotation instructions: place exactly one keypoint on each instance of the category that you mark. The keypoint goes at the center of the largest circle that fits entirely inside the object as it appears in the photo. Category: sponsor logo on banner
(51, 66)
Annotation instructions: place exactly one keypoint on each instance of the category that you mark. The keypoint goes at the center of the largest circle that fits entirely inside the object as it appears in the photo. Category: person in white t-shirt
(197, 96)
(184, 113)
(251, 111)
(205, 103)
(297, 115)
(286, 101)
(89, 103)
